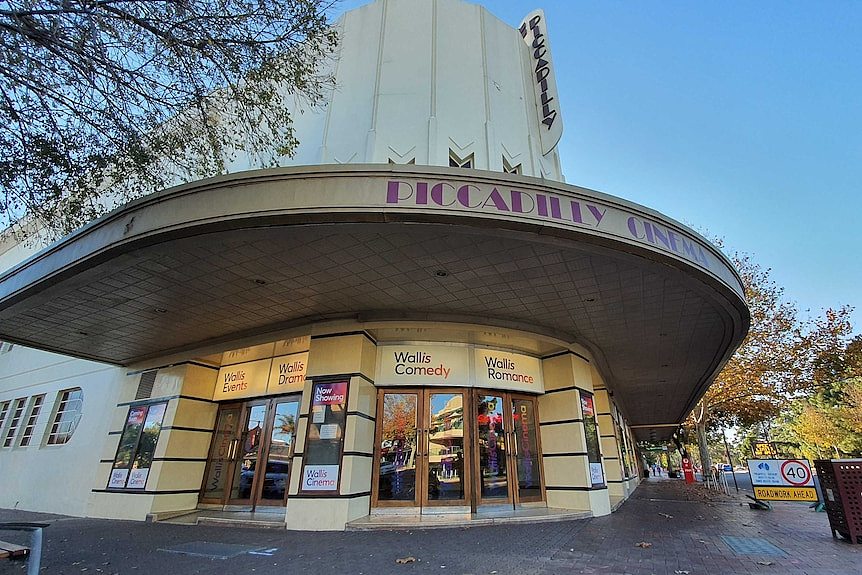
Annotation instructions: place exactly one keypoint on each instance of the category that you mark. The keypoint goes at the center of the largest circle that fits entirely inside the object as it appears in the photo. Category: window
(5, 346)
(323, 443)
(456, 161)
(35, 408)
(4, 411)
(137, 446)
(69, 404)
(591, 433)
(17, 411)
(509, 168)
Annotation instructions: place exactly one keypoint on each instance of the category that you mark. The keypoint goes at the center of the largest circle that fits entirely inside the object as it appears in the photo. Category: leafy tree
(96, 94)
(776, 362)
(828, 419)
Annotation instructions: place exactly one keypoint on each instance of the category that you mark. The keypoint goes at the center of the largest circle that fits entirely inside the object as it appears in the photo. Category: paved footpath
(683, 529)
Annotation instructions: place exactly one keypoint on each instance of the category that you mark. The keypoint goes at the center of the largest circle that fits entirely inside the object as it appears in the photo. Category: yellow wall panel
(336, 355)
(194, 414)
(175, 475)
(570, 471)
(579, 500)
(559, 406)
(557, 372)
(563, 438)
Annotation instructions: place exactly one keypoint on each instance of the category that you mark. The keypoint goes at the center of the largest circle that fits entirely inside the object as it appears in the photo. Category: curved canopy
(660, 308)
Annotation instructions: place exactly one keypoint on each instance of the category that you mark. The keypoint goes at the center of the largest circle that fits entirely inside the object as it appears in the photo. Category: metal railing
(34, 558)
(717, 481)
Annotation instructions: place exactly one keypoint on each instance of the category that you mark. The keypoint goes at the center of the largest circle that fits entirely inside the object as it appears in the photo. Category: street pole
(729, 460)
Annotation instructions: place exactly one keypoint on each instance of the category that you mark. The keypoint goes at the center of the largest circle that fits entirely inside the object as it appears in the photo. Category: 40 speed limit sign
(782, 479)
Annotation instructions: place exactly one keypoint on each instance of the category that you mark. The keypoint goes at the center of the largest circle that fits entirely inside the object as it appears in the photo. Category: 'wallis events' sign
(265, 376)
(242, 380)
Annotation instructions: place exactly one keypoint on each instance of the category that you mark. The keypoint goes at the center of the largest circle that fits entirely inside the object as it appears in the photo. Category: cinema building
(414, 320)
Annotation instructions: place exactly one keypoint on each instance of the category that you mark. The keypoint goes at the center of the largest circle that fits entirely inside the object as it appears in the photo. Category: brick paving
(689, 541)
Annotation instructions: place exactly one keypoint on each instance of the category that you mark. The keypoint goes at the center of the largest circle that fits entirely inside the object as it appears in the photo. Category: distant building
(417, 316)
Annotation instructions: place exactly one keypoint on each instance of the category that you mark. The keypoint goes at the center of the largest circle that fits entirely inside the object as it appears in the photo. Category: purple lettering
(393, 195)
(542, 72)
(464, 196)
(437, 194)
(518, 204)
(597, 213)
(576, 212)
(497, 200)
(422, 193)
(671, 236)
(633, 227)
(542, 205)
(556, 212)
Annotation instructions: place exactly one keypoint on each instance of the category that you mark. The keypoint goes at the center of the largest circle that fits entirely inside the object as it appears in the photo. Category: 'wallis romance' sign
(547, 206)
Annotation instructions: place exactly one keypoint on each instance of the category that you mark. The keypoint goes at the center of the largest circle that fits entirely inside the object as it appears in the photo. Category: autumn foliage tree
(827, 421)
(775, 363)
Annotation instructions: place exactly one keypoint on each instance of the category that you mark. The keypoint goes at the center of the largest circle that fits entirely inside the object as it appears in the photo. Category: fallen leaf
(403, 560)
(643, 545)
(666, 515)
(681, 572)
(765, 563)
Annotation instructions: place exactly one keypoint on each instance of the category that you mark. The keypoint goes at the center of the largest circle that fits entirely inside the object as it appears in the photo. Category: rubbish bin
(841, 483)
(646, 473)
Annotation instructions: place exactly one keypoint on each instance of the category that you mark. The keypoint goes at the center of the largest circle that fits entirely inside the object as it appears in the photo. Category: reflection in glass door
(420, 449)
(221, 460)
(526, 449)
(397, 449)
(444, 449)
(250, 437)
(491, 426)
(431, 451)
(273, 486)
(248, 454)
(509, 469)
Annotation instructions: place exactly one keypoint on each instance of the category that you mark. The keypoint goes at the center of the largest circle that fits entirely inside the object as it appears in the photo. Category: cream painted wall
(55, 478)
(185, 448)
(416, 78)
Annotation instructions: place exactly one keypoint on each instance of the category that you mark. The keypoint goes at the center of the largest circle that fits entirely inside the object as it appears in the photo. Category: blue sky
(743, 120)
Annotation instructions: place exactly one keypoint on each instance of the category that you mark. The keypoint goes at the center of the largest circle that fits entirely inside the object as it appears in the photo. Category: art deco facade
(414, 318)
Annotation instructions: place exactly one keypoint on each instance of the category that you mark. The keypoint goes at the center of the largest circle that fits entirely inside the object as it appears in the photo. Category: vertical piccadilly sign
(534, 31)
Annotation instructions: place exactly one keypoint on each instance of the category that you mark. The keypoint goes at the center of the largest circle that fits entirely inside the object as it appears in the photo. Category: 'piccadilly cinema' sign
(547, 207)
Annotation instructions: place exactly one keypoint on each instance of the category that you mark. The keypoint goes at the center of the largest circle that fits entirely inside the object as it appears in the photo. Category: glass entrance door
(492, 461)
(508, 466)
(456, 447)
(421, 449)
(250, 456)
(444, 449)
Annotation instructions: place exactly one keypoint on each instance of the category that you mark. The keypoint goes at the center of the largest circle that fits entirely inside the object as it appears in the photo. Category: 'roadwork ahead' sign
(782, 479)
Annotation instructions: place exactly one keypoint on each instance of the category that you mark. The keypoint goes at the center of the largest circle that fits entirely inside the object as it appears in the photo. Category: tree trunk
(705, 460)
(700, 424)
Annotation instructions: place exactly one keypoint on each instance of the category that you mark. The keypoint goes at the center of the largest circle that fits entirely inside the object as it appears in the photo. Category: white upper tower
(430, 82)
